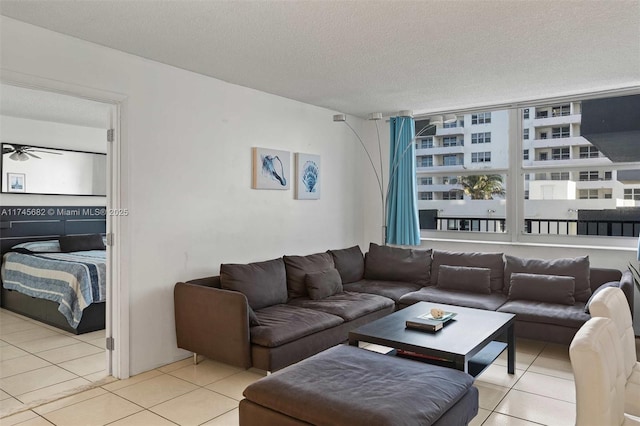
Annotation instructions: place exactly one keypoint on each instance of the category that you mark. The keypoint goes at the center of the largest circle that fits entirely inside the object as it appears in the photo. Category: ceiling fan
(24, 152)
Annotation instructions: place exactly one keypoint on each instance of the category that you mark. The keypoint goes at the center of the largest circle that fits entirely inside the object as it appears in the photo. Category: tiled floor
(39, 362)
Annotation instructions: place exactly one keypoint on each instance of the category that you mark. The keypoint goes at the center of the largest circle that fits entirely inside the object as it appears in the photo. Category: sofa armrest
(213, 322)
(627, 287)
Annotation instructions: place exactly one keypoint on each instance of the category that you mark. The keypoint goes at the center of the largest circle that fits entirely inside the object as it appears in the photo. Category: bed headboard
(20, 224)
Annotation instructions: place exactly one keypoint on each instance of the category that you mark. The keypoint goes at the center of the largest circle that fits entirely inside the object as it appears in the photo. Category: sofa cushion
(324, 283)
(280, 324)
(253, 318)
(264, 283)
(546, 313)
(397, 264)
(493, 261)
(345, 385)
(394, 290)
(614, 284)
(299, 266)
(464, 278)
(350, 263)
(542, 288)
(572, 267)
(489, 302)
(347, 305)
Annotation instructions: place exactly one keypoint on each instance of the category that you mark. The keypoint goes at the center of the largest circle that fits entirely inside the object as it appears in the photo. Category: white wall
(51, 135)
(186, 145)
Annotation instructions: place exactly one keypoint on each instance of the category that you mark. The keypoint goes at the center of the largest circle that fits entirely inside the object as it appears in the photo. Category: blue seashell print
(310, 176)
(272, 167)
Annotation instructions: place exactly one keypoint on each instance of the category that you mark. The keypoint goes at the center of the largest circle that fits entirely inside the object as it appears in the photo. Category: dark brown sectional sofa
(272, 314)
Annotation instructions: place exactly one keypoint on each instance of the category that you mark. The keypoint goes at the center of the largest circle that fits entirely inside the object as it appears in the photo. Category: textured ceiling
(365, 56)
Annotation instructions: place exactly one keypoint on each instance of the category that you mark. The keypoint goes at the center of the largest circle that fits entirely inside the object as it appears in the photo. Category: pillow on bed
(49, 246)
(70, 243)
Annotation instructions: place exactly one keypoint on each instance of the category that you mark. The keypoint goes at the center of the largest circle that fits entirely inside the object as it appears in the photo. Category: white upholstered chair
(611, 303)
(596, 359)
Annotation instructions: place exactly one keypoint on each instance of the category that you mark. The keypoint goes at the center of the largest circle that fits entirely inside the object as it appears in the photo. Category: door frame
(117, 304)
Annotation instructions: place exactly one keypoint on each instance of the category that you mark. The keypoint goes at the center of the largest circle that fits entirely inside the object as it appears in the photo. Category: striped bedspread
(74, 280)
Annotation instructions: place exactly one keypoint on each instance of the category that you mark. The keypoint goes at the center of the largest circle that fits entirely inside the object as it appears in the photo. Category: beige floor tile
(497, 375)
(3, 343)
(4, 395)
(36, 421)
(100, 410)
(233, 386)
(54, 391)
(537, 409)
(46, 343)
(554, 350)
(529, 346)
(86, 365)
(553, 367)
(119, 384)
(480, 417)
(195, 408)
(22, 364)
(27, 335)
(68, 353)
(155, 391)
(87, 337)
(176, 365)
(542, 384)
(206, 372)
(70, 400)
(230, 418)
(144, 418)
(9, 351)
(490, 395)
(497, 419)
(523, 359)
(99, 376)
(15, 326)
(8, 406)
(18, 418)
(35, 379)
(99, 343)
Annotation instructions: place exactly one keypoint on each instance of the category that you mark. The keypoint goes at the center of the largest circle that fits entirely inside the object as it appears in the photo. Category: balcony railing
(475, 224)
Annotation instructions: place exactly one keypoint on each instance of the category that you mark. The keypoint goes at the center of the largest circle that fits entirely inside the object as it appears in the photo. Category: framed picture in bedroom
(271, 169)
(307, 176)
(16, 182)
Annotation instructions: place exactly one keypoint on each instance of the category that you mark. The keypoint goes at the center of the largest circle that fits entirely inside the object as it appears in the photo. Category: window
(559, 175)
(632, 194)
(525, 134)
(450, 125)
(588, 194)
(525, 113)
(482, 118)
(562, 110)
(588, 176)
(425, 195)
(589, 152)
(560, 132)
(541, 176)
(480, 137)
(542, 114)
(424, 143)
(607, 175)
(452, 195)
(543, 156)
(527, 176)
(449, 160)
(525, 154)
(450, 180)
(560, 153)
(449, 141)
(543, 135)
(425, 181)
(481, 157)
(425, 161)
(526, 194)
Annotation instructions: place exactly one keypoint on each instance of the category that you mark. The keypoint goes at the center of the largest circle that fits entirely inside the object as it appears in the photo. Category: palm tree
(482, 187)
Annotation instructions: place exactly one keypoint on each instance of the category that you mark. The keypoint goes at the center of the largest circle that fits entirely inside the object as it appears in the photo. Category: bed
(61, 286)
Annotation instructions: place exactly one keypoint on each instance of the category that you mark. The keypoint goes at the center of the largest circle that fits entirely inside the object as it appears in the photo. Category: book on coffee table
(424, 324)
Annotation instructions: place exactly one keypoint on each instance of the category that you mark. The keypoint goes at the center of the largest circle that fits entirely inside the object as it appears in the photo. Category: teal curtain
(403, 227)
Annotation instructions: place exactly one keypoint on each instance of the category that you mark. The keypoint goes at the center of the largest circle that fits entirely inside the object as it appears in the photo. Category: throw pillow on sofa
(542, 288)
(299, 266)
(263, 283)
(323, 284)
(349, 263)
(493, 261)
(475, 280)
(398, 264)
(577, 268)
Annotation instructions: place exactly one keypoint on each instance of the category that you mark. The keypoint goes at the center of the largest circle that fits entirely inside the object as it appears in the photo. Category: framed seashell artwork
(270, 169)
(307, 176)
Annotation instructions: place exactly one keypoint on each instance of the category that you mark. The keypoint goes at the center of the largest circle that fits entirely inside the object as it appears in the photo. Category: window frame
(515, 171)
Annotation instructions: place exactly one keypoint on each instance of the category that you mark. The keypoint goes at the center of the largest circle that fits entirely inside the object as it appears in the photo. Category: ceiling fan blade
(7, 150)
(33, 155)
(40, 150)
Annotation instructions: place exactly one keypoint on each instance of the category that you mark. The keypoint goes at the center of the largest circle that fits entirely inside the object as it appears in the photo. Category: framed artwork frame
(16, 182)
(308, 174)
(271, 169)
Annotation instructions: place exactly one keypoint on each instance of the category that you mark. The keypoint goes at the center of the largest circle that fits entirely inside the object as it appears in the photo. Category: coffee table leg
(353, 342)
(511, 350)
(461, 364)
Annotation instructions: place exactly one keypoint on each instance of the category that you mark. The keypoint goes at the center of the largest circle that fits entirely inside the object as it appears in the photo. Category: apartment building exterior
(563, 173)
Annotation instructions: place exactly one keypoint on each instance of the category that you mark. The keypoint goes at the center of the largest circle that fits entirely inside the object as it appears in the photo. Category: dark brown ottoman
(346, 385)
